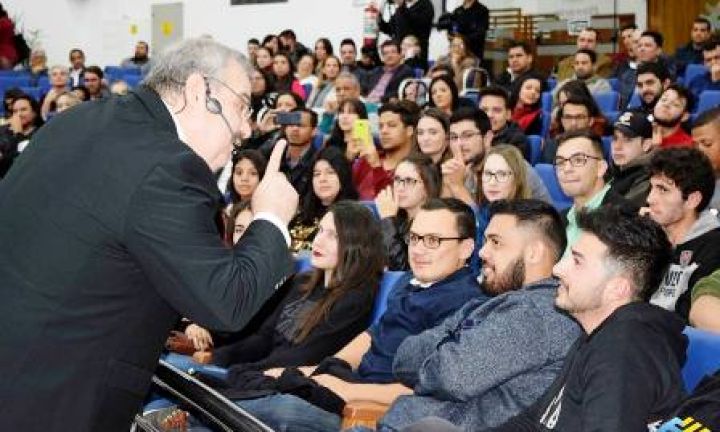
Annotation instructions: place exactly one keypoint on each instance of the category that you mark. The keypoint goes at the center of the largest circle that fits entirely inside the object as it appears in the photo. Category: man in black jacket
(382, 83)
(625, 372)
(631, 153)
(494, 101)
(411, 17)
(109, 237)
(472, 20)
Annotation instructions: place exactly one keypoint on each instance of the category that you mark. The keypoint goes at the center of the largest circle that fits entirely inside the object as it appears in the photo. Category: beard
(669, 123)
(511, 279)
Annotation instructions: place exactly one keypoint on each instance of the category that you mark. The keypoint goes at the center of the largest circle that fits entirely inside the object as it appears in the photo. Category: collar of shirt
(421, 285)
(411, 3)
(180, 132)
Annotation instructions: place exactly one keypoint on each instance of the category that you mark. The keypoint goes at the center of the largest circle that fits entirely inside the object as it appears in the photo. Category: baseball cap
(634, 124)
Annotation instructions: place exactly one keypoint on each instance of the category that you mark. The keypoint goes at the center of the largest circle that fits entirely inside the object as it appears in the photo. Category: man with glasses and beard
(493, 359)
(671, 111)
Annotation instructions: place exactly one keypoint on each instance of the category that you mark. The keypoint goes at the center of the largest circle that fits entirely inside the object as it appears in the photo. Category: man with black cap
(631, 151)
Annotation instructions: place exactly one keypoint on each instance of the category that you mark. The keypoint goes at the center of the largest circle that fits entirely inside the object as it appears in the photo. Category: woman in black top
(323, 309)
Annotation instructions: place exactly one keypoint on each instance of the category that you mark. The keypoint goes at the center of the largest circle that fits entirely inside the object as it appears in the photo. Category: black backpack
(22, 48)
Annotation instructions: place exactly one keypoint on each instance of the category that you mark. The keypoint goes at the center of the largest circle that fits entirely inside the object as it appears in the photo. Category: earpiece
(211, 104)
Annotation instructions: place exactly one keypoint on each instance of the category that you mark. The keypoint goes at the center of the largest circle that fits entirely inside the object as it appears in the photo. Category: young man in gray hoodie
(682, 183)
(490, 361)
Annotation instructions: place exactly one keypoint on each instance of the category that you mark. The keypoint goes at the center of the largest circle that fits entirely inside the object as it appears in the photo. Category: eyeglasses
(576, 160)
(465, 136)
(500, 176)
(245, 112)
(405, 181)
(430, 241)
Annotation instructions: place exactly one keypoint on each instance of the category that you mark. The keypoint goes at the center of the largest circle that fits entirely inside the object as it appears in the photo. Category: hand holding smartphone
(361, 132)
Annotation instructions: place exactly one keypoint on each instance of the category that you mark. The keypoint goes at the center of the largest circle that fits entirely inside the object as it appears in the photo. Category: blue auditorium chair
(546, 117)
(546, 101)
(132, 80)
(302, 263)
(372, 207)
(607, 148)
(535, 142)
(607, 101)
(318, 140)
(33, 92)
(388, 281)
(703, 356)
(692, 71)
(708, 99)
(549, 177)
(613, 83)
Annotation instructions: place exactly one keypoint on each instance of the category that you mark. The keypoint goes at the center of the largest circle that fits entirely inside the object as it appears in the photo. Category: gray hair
(349, 76)
(171, 69)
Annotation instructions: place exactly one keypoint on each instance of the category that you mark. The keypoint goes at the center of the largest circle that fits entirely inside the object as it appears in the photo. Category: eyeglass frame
(494, 175)
(424, 239)
(405, 181)
(463, 136)
(585, 158)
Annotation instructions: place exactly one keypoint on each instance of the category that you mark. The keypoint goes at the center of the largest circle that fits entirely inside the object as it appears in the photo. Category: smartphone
(361, 131)
(289, 118)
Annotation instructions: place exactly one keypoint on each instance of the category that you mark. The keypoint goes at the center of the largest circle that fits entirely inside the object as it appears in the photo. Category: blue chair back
(611, 116)
(308, 88)
(302, 263)
(387, 283)
(132, 80)
(607, 101)
(708, 99)
(634, 101)
(551, 83)
(9, 81)
(613, 83)
(318, 140)
(692, 71)
(33, 92)
(546, 101)
(607, 148)
(186, 363)
(549, 177)
(372, 207)
(546, 117)
(703, 356)
(473, 96)
(535, 143)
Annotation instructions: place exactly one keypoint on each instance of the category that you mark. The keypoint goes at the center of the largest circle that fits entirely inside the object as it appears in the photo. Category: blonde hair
(516, 162)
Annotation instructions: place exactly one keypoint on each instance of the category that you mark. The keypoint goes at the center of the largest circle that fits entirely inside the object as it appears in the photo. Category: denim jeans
(289, 413)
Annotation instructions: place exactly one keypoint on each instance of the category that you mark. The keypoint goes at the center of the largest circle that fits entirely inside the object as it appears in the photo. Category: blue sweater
(412, 310)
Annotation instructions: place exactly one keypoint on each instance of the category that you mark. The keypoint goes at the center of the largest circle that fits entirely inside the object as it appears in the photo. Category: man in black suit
(108, 237)
(411, 17)
(382, 83)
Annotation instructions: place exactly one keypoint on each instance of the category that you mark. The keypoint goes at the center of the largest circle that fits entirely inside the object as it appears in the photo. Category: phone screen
(361, 131)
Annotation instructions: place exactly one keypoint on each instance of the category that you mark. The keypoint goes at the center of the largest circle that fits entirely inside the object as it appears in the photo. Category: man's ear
(693, 200)
(646, 144)
(619, 289)
(195, 91)
(467, 246)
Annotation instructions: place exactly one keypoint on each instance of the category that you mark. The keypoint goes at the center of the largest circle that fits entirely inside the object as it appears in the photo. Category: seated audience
(631, 151)
(264, 60)
(671, 111)
(460, 58)
(412, 53)
(58, 85)
(440, 241)
(272, 43)
(284, 75)
(66, 101)
(290, 45)
(495, 102)
(577, 112)
(652, 80)
(444, 95)
(346, 86)
(306, 73)
(252, 46)
(584, 69)
(24, 121)
(682, 184)
(710, 80)
(577, 89)
(37, 66)
(416, 181)
(526, 104)
(431, 136)
(261, 94)
(330, 69)
(520, 62)
(342, 136)
(580, 171)
(373, 171)
(93, 82)
(625, 59)
(140, 59)
(267, 129)
(692, 52)
(238, 219)
(493, 359)
(706, 136)
(331, 182)
(300, 153)
(382, 83)
(586, 40)
(320, 311)
(322, 51)
(247, 170)
(77, 67)
(625, 372)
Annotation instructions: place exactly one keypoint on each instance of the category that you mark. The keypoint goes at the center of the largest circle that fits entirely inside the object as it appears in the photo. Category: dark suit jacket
(108, 237)
(402, 72)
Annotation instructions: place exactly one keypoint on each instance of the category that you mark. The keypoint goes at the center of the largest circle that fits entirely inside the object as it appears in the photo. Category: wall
(107, 29)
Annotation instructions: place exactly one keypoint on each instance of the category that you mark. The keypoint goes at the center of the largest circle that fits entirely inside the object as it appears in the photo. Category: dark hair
(591, 29)
(520, 44)
(390, 42)
(579, 90)
(683, 93)
(288, 33)
(438, 116)
(444, 67)
(76, 50)
(407, 110)
(689, 169)
(453, 91)
(312, 208)
(337, 136)
(706, 117)
(518, 83)
(256, 158)
(348, 41)
(253, 41)
(95, 70)
(496, 92)
(235, 209)
(653, 68)
(299, 102)
(327, 45)
(361, 260)
(631, 26)
(10, 95)
(268, 38)
(291, 73)
(475, 115)
(428, 172)
(636, 243)
(582, 133)
(711, 44)
(464, 216)
(590, 53)
(313, 115)
(576, 99)
(284, 84)
(656, 36)
(34, 106)
(703, 20)
(537, 215)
